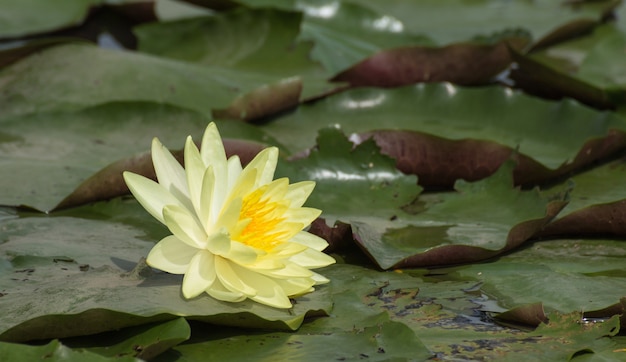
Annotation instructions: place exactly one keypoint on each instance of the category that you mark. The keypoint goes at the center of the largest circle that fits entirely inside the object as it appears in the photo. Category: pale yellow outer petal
(185, 226)
(171, 255)
(212, 149)
(230, 279)
(213, 154)
(219, 243)
(219, 292)
(303, 215)
(296, 286)
(243, 254)
(152, 196)
(310, 240)
(169, 172)
(319, 279)
(290, 270)
(285, 250)
(195, 170)
(234, 171)
(200, 275)
(267, 291)
(264, 165)
(268, 169)
(312, 259)
(299, 192)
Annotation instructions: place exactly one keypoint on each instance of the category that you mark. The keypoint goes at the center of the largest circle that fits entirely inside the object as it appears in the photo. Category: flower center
(265, 216)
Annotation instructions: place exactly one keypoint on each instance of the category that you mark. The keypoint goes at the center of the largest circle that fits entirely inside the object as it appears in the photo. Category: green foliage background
(469, 160)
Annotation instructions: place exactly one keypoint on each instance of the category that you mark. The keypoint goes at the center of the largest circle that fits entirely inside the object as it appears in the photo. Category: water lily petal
(229, 216)
(244, 185)
(151, 195)
(200, 275)
(169, 172)
(268, 292)
(234, 171)
(243, 254)
(171, 255)
(299, 192)
(265, 164)
(206, 214)
(285, 250)
(268, 169)
(266, 264)
(276, 190)
(310, 240)
(194, 169)
(185, 226)
(319, 279)
(296, 286)
(312, 259)
(219, 243)
(212, 149)
(290, 270)
(214, 155)
(230, 279)
(218, 291)
(304, 215)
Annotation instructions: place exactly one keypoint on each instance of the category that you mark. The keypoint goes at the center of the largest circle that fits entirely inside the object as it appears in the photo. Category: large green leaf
(459, 20)
(53, 352)
(82, 273)
(587, 68)
(224, 41)
(436, 230)
(563, 275)
(597, 204)
(345, 33)
(145, 342)
(558, 135)
(72, 77)
(23, 17)
(44, 156)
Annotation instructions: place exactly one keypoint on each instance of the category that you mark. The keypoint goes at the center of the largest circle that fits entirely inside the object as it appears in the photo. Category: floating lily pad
(77, 275)
(552, 133)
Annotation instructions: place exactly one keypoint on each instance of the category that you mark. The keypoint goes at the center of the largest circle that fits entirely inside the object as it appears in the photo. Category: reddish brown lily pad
(463, 63)
(439, 162)
(108, 182)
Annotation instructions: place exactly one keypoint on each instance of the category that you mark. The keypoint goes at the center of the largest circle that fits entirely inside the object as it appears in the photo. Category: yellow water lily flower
(237, 233)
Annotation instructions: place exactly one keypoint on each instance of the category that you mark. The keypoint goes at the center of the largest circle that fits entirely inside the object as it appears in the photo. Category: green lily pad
(588, 69)
(437, 229)
(454, 229)
(145, 341)
(597, 204)
(460, 20)
(45, 156)
(53, 352)
(82, 273)
(23, 17)
(341, 172)
(345, 33)
(553, 133)
(73, 77)
(563, 275)
(224, 41)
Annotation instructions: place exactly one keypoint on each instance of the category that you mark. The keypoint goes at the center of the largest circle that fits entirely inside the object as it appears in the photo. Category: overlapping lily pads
(96, 258)
(71, 109)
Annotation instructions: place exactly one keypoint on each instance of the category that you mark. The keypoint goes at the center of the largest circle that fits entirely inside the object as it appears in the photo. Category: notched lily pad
(439, 162)
(598, 205)
(481, 220)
